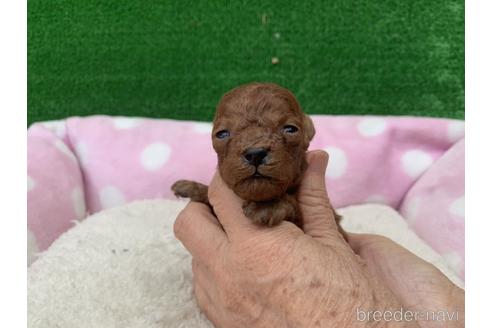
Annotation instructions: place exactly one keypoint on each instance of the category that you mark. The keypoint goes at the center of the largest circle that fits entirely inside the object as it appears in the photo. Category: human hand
(247, 275)
(421, 288)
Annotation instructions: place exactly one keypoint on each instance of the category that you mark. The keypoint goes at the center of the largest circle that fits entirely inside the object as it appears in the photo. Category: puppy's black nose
(255, 156)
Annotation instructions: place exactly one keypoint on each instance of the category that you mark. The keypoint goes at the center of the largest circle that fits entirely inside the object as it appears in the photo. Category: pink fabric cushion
(372, 159)
(55, 191)
(435, 206)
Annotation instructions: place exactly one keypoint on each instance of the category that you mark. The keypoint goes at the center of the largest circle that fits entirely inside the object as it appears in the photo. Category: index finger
(228, 207)
(199, 232)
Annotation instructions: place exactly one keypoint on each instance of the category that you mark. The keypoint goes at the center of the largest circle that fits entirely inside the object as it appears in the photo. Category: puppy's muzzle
(255, 156)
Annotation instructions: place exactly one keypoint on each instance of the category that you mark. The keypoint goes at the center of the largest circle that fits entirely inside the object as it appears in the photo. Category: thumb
(401, 271)
(316, 209)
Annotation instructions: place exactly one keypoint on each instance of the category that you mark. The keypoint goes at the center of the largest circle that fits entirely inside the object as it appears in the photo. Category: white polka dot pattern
(82, 152)
(337, 164)
(121, 159)
(456, 130)
(458, 207)
(125, 123)
(202, 127)
(58, 127)
(155, 155)
(111, 196)
(412, 209)
(371, 127)
(415, 162)
(30, 183)
(62, 147)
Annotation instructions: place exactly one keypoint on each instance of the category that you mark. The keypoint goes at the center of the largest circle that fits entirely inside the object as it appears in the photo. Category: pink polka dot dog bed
(80, 166)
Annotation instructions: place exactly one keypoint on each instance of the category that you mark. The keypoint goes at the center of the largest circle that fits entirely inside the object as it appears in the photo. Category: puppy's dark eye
(222, 134)
(290, 129)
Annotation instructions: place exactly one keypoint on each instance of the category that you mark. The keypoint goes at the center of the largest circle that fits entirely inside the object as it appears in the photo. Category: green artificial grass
(175, 58)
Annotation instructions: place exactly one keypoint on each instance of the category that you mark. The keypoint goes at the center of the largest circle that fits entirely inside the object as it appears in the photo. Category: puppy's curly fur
(261, 136)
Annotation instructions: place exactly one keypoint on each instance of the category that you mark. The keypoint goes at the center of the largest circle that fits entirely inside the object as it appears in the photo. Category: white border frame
(13, 109)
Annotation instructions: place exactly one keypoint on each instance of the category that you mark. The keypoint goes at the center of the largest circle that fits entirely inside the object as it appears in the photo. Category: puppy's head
(261, 135)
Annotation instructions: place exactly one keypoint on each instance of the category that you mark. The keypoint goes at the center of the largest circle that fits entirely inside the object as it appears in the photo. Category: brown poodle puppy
(261, 136)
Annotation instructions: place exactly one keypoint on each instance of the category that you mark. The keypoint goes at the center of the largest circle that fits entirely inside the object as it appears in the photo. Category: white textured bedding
(123, 268)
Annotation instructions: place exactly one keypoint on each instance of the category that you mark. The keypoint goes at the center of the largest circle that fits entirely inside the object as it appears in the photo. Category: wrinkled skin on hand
(246, 275)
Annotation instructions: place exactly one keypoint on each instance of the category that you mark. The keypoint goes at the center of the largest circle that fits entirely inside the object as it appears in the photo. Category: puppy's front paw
(183, 188)
(266, 213)
(196, 191)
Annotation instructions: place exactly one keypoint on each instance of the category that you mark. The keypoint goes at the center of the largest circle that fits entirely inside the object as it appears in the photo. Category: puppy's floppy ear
(308, 129)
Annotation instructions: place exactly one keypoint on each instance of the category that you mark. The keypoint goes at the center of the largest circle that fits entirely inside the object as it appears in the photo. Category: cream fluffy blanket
(123, 268)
